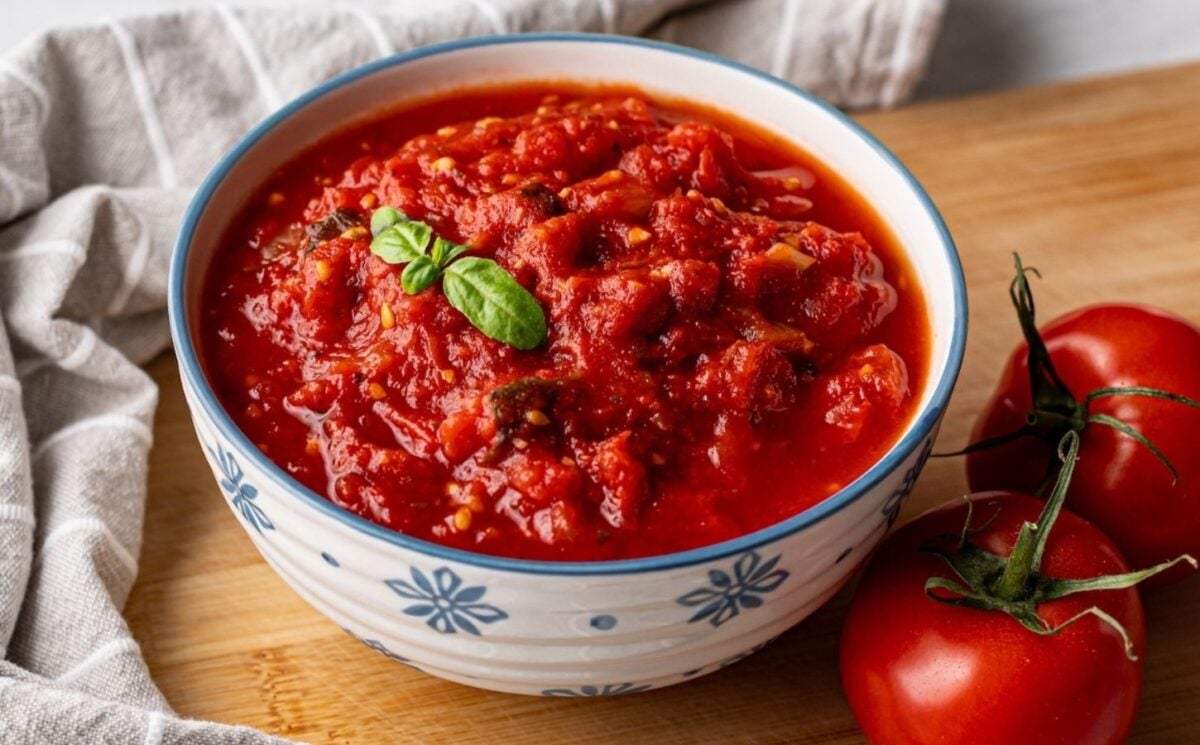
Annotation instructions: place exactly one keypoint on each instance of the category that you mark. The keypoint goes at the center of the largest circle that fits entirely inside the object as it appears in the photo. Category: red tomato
(917, 670)
(1119, 484)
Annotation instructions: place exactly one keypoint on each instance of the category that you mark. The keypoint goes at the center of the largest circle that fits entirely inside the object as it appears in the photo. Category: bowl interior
(656, 68)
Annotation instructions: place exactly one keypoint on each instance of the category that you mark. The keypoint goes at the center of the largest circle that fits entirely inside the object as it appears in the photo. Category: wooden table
(1096, 183)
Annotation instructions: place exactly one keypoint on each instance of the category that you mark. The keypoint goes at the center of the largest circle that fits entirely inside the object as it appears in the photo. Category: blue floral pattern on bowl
(732, 660)
(743, 655)
(449, 606)
(587, 691)
(891, 508)
(241, 493)
(726, 596)
(379, 647)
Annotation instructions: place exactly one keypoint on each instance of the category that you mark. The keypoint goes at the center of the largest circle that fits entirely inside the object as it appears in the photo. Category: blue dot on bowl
(330, 560)
(604, 622)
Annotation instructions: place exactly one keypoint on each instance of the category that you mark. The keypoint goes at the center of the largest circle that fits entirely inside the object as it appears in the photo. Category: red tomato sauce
(733, 333)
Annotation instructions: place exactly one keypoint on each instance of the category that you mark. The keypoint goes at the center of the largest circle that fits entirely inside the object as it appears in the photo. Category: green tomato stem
(1048, 389)
(1015, 585)
(1055, 409)
(1027, 553)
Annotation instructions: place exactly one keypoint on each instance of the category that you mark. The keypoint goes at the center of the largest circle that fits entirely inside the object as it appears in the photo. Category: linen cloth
(104, 132)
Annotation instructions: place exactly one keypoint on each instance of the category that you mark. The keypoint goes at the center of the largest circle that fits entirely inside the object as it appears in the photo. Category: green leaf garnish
(420, 273)
(384, 218)
(491, 298)
(445, 251)
(401, 242)
(494, 302)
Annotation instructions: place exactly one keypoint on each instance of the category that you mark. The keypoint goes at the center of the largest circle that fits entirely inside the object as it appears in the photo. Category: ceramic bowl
(570, 628)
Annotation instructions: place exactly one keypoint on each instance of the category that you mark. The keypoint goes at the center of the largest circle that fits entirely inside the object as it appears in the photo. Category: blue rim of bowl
(189, 362)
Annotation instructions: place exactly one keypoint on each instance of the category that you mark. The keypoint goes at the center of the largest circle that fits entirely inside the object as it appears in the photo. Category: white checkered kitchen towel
(104, 132)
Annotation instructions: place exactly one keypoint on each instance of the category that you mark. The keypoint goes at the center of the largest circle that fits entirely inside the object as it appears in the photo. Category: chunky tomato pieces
(718, 358)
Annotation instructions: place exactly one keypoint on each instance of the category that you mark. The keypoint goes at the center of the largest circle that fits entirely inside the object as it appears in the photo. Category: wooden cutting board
(1096, 183)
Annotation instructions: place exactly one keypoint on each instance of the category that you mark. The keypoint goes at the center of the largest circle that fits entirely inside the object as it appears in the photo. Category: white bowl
(569, 628)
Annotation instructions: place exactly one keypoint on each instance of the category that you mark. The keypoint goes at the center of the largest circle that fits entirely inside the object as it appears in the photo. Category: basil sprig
(420, 273)
(493, 301)
(401, 242)
(491, 298)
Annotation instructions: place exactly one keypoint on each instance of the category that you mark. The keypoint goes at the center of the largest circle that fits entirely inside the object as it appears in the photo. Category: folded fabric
(104, 132)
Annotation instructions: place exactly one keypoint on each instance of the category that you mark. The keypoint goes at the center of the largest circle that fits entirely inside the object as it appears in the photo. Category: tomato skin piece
(1118, 485)
(916, 670)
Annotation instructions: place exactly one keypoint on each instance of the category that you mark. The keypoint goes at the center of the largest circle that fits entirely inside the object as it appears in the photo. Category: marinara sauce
(733, 334)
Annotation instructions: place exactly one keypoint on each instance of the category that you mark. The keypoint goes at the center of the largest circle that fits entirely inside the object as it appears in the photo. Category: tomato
(1120, 485)
(917, 670)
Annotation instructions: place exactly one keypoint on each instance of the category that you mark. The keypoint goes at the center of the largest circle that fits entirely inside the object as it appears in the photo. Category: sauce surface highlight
(733, 333)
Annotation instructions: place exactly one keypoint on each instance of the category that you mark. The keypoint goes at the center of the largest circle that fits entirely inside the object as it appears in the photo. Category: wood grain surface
(1096, 183)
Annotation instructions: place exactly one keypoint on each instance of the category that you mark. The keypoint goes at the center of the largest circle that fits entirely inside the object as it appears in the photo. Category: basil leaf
(402, 242)
(438, 252)
(384, 218)
(419, 274)
(445, 251)
(494, 302)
